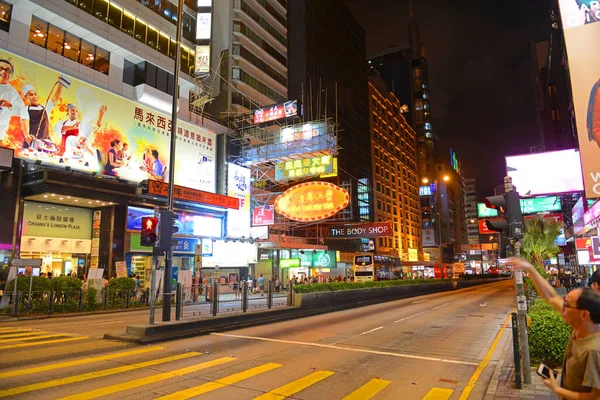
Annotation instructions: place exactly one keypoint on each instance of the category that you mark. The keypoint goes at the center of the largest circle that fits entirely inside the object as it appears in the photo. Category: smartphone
(544, 371)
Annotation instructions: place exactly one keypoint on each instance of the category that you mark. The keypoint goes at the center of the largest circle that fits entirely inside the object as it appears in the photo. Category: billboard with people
(580, 21)
(62, 121)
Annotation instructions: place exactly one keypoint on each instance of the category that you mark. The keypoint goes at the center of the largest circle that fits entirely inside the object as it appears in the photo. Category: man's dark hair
(589, 300)
(155, 154)
(115, 142)
(595, 277)
(9, 63)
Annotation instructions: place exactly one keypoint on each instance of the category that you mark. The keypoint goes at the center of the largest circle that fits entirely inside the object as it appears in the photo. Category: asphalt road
(424, 347)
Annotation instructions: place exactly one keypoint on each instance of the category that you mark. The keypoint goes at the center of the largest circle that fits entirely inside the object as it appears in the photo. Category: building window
(70, 46)
(5, 14)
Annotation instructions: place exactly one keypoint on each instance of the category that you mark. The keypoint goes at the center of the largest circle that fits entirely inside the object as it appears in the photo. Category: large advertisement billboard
(238, 186)
(62, 121)
(277, 111)
(581, 23)
(546, 173)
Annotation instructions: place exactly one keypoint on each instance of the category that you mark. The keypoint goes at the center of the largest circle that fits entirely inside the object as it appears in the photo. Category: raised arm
(542, 286)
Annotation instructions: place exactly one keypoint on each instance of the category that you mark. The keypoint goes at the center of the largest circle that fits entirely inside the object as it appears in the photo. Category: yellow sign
(413, 255)
(312, 201)
(322, 165)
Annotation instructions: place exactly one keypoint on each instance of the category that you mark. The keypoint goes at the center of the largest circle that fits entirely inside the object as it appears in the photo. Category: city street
(424, 347)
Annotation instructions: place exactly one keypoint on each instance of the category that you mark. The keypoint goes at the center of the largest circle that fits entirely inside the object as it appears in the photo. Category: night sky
(479, 56)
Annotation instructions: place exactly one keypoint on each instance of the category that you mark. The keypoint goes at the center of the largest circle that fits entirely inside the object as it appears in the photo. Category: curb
(495, 381)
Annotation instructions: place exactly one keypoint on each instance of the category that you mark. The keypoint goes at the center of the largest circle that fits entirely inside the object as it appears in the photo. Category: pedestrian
(595, 280)
(277, 284)
(236, 288)
(261, 285)
(580, 309)
(249, 284)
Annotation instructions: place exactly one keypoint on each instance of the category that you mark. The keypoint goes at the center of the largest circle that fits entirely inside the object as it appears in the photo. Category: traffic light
(149, 231)
(510, 219)
(167, 229)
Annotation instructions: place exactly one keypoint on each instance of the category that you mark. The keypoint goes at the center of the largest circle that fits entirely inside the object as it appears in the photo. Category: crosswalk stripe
(41, 342)
(13, 330)
(219, 383)
(15, 335)
(36, 336)
(294, 387)
(368, 390)
(438, 394)
(91, 375)
(67, 364)
(92, 394)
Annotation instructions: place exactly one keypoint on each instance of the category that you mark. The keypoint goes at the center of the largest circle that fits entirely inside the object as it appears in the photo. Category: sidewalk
(502, 384)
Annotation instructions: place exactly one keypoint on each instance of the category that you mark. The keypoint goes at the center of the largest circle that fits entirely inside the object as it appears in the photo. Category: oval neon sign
(312, 201)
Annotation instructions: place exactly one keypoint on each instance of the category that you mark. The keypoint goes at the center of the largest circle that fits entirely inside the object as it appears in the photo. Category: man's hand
(519, 263)
(551, 383)
(5, 103)
(103, 110)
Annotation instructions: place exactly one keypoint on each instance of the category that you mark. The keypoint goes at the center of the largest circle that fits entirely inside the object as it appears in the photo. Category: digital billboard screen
(545, 173)
(581, 25)
(540, 204)
(277, 111)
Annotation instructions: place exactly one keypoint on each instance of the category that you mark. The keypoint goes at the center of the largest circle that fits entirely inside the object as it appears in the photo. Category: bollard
(50, 302)
(290, 294)
(516, 349)
(147, 298)
(270, 295)
(244, 296)
(127, 299)
(80, 300)
(105, 298)
(215, 299)
(178, 302)
(16, 296)
(193, 293)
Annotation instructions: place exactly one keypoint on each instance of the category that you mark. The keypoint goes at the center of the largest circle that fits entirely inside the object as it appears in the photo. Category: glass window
(87, 54)
(114, 16)
(5, 12)
(173, 49)
(127, 23)
(38, 32)
(163, 44)
(140, 30)
(86, 5)
(71, 47)
(55, 39)
(100, 9)
(168, 9)
(102, 60)
(185, 56)
(152, 38)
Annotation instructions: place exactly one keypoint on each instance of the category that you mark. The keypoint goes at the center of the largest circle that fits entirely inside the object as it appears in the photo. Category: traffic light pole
(522, 318)
(167, 285)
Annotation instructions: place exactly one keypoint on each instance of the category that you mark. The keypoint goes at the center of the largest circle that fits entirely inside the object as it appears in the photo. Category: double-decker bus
(363, 267)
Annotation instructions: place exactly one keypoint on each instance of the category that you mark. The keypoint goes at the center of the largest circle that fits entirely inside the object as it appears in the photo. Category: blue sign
(185, 245)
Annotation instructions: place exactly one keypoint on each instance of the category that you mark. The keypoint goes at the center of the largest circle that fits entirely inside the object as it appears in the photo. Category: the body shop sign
(369, 230)
(312, 201)
(54, 220)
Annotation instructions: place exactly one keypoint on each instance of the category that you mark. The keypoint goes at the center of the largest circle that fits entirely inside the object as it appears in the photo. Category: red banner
(157, 188)
(483, 229)
(263, 216)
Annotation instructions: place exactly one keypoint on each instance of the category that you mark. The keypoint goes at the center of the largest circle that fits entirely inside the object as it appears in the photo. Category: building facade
(396, 187)
(471, 195)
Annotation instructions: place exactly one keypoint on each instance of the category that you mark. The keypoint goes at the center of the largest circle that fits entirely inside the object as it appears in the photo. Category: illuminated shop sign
(304, 168)
(484, 212)
(312, 201)
(277, 111)
(367, 230)
(202, 65)
(203, 25)
(289, 263)
(238, 186)
(540, 204)
(425, 190)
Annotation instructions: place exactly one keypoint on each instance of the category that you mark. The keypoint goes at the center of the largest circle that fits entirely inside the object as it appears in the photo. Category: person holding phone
(580, 309)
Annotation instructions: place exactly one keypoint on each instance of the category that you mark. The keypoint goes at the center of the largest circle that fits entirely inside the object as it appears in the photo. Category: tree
(539, 242)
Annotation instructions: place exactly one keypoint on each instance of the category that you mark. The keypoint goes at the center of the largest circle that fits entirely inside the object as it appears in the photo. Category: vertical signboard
(202, 65)
(238, 186)
(581, 24)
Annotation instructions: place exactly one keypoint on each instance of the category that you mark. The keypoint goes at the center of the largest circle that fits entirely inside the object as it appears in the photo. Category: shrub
(91, 299)
(38, 284)
(335, 286)
(548, 334)
(122, 284)
(65, 283)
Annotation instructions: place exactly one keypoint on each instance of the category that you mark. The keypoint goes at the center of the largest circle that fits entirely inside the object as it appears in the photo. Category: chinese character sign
(238, 186)
(277, 111)
(49, 220)
(312, 201)
(304, 168)
(90, 129)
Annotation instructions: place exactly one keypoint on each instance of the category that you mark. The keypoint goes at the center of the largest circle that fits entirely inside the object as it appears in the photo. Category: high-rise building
(249, 54)
(396, 184)
(328, 72)
(471, 195)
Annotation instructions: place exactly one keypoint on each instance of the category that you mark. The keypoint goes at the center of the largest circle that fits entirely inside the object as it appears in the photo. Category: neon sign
(306, 167)
(312, 201)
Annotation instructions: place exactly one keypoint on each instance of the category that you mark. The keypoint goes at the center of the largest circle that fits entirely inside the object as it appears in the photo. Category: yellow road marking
(368, 390)
(92, 394)
(91, 375)
(219, 383)
(14, 335)
(34, 337)
(6, 328)
(438, 394)
(294, 387)
(13, 346)
(66, 364)
(13, 330)
(473, 381)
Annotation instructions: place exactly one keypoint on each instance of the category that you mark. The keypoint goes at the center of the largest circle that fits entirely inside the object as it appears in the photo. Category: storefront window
(102, 60)
(71, 47)
(55, 39)
(5, 13)
(87, 54)
(38, 32)
(114, 16)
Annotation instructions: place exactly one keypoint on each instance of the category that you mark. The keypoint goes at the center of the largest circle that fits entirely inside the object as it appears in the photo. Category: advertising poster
(277, 111)
(581, 24)
(263, 216)
(62, 121)
(238, 186)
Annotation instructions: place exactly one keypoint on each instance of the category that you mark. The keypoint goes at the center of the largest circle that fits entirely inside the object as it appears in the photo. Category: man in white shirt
(72, 126)
(37, 117)
(11, 103)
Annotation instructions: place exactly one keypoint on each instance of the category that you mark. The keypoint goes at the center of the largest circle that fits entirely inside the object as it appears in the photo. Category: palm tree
(539, 242)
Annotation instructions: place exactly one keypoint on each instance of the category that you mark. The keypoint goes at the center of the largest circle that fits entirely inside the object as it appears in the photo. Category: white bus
(363, 267)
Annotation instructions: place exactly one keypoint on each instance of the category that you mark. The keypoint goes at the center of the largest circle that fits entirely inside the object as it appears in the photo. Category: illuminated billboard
(306, 167)
(312, 201)
(582, 33)
(484, 212)
(238, 186)
(277, 111)
(203, 25)
(546, 173)
(540, 204)
(202, 65)
(86, 128)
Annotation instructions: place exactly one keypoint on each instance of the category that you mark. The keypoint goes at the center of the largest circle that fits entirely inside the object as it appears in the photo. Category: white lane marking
(328, 346)
(483, 305)
(419, 301)
(409, 317)
(372, 330)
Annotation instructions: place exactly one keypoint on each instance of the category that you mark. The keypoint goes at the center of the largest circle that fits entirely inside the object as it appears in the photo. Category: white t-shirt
(9, 93)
